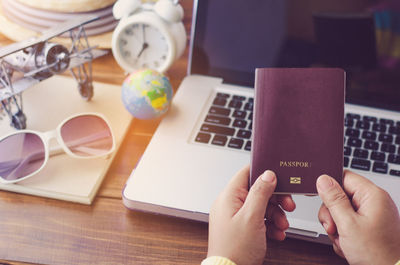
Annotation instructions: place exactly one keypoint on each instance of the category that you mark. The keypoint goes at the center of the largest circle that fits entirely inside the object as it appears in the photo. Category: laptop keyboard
(228, 122)
(371, 143)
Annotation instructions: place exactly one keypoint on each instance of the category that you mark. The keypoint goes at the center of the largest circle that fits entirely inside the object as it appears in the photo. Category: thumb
(259, 194)
(335, 199)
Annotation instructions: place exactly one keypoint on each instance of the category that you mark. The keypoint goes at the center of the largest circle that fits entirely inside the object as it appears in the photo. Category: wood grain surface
(36, 230)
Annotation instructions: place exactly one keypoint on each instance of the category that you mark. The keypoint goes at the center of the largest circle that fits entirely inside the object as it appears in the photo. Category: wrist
(218, 260)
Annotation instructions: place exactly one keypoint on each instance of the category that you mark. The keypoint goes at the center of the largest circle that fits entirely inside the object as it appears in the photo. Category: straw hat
(21, 19)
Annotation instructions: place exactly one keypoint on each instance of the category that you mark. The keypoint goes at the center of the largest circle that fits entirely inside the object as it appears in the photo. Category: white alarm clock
(148, 35)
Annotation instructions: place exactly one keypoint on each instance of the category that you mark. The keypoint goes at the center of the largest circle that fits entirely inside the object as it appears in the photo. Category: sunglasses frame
(45, 137)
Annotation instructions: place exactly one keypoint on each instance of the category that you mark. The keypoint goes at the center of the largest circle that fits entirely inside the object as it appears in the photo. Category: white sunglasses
(24, 153)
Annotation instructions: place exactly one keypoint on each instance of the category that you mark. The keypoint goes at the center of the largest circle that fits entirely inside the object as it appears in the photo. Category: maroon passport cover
(298, 126)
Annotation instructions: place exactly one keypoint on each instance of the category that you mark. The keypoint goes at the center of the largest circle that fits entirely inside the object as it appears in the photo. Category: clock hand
(145, 44)
(143, 35)
(144, 47)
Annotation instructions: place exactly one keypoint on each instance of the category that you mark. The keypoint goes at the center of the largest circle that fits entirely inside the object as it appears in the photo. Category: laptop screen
(232, 38)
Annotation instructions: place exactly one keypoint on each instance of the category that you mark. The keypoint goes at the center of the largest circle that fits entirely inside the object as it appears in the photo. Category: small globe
(146, 94)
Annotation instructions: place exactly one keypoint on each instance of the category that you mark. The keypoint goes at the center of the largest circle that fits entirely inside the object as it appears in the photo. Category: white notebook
(46, 105)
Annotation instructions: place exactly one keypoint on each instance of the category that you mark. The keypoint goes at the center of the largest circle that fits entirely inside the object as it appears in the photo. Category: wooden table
(45, 231)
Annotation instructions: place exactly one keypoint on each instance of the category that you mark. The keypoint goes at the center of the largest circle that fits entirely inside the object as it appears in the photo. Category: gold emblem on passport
(295, 180)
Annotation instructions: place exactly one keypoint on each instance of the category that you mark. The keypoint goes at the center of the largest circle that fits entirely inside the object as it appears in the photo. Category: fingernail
(325, 182)
(268, 176)
(325, 225)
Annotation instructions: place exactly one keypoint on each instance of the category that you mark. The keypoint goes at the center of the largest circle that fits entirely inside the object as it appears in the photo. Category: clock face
(142, 45)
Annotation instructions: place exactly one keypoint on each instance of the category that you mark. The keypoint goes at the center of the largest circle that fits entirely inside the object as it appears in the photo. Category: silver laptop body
(181, 177)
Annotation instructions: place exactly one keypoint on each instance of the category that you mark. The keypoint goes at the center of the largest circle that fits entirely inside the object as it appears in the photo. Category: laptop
(206, 136)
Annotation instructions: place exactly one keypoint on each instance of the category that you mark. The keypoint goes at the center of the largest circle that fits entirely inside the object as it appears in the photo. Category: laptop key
(247, 147)
(251, 100)
(360, 153)
(219, 111)
(388, 148)
(361, 164)
(397, 141)
(354, 142)
(347, 151)
(371, 145)
(394, 172)
(239, 114)
(352, 132)
(250, 116)
(369, 118)
(362, 125)
(223, 95)
(348, 122)
(236, 104)
(243, 134)
(353, 116)
(369, 135)
(219, 101)
(240, 123)
(219, 140)
(218, 120)
(380, 167)
(248, 106)
(203, 137)
(346, 161)
(236, 143)
(378, 156)
(379, 127)
(386, 121)
(394, 159)
(394, 130)
(251, 126)
(241, 98)
(387, 138)
(217, 129)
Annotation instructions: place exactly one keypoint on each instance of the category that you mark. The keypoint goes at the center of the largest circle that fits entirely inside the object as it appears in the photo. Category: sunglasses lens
(21, 155)
(87, 136)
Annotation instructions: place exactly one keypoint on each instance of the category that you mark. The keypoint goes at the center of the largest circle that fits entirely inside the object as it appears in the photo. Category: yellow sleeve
(216, 260)
(398, 263)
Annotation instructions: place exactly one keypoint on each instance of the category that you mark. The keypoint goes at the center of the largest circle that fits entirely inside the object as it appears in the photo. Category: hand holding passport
(298, 126)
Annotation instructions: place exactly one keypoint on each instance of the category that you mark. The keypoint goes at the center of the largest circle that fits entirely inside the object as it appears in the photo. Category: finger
(286, 202)
(235, 193)
(353, 182)
(336, 247)
(326, 220)
(357, 187)
(259, 195)
(277, 216)
(335, 199)
(275, 233)
(240, 180)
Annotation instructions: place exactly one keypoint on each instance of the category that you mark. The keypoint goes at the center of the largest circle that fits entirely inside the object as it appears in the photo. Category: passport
(298, 126)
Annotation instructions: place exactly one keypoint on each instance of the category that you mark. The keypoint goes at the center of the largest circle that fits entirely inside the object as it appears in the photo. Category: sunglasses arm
(80, 144)
(17, 164)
